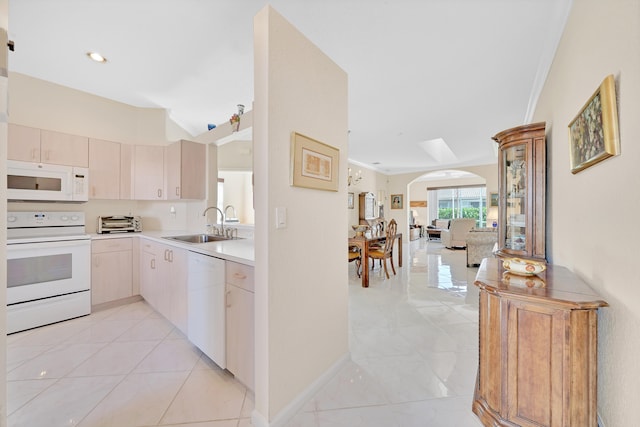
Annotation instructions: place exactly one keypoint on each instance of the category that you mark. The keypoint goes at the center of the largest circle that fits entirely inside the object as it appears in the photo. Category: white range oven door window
(46, 269)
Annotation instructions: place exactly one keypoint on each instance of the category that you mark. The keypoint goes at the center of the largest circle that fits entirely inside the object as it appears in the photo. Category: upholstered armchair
(456, 235)
(480, 245)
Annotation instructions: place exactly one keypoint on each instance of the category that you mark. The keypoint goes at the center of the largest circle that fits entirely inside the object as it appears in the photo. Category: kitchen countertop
(240, 250)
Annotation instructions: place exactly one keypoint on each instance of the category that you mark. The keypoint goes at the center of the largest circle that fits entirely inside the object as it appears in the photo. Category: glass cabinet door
(515, 187)
(521, 172)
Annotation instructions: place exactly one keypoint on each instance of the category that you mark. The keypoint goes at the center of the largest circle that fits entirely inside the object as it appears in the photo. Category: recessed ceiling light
(96, 57)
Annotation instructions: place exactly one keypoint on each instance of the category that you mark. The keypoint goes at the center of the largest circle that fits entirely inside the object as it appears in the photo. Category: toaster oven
(119, 224)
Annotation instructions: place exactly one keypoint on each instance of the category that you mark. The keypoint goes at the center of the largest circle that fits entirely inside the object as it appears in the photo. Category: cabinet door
(148, 176)
(240, 334)
(112, 270)
(111, 276)
(149, 273)
(126, 171)
(185, 166)
(192, 170)
(64, 149)
(23, 143)
(176, 290)
(172, 170)
(536, 360)
(104, 169)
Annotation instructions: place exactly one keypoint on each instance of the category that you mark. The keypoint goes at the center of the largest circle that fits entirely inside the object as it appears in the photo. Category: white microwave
(28, 181)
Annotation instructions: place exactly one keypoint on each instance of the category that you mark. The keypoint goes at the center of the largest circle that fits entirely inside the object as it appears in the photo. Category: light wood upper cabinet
(185, 167)
(148, 172)
(126, 172)
(104, 169)
(44, 146)
(63, 149)
(23, 143)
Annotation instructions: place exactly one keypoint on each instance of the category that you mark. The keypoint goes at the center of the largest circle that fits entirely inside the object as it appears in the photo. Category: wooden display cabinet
(367, 208)
(538, 349)
(522, 180)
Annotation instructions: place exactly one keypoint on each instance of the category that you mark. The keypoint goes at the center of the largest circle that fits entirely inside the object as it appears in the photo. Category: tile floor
(413, 362)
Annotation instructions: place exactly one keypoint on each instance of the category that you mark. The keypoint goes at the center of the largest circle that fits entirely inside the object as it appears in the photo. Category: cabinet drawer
(149, 247)
(240, 275)
(111, 245)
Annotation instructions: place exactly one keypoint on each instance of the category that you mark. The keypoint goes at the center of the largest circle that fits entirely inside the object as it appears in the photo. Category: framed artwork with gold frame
(313, 164)
(593, 133)
(396, 201)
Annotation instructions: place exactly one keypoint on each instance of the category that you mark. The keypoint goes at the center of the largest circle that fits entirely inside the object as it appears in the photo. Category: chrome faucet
(234, 218)
(221, 215)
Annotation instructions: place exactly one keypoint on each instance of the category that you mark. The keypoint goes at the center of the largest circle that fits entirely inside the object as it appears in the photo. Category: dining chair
(355, 255)
(377, 229)
(386, 251)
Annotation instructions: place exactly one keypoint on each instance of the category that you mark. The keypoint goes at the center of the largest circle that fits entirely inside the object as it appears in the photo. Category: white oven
(48, 268)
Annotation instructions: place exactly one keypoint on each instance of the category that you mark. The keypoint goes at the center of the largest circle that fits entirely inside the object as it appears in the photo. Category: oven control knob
(12, 218)
(74, 217)
(64, 218)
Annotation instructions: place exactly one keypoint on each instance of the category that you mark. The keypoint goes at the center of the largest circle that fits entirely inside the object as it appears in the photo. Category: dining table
(363, 242)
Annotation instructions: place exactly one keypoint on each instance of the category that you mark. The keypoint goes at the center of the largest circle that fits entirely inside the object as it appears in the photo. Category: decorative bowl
(530, 281)
(360, 229)
(523, 267)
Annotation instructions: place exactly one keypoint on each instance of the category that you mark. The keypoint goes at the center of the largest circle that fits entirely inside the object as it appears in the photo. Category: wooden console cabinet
(538, 349)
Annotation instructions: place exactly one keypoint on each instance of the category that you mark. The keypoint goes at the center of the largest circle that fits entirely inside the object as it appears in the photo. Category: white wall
(592, 217)
(301, 274)
(46, 105)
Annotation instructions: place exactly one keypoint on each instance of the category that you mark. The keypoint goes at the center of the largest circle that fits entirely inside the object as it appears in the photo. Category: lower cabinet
(111, 270)
(240, 316)
(163, 280)
(209, 299)
(538, 349)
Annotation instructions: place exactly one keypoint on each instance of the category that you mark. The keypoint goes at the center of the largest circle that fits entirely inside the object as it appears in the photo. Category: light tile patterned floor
(413, 341)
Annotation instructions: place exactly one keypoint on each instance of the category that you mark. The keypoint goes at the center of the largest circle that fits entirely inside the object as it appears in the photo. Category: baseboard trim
(289, 411)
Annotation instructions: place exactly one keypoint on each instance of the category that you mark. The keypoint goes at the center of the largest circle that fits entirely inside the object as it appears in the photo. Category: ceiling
(430, 81)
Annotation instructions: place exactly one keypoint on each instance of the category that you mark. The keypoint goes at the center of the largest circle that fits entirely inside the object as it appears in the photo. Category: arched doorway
(448, 194)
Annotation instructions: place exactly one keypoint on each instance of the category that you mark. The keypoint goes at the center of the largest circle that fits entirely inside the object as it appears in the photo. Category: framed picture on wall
(350, 200)
(593, 133)
(396, 201)
(313, 164)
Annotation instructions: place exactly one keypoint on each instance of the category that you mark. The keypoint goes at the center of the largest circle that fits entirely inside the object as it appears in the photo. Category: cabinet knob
(177, 191)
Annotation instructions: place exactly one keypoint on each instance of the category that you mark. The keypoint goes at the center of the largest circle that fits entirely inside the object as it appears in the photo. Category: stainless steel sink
(201, 238)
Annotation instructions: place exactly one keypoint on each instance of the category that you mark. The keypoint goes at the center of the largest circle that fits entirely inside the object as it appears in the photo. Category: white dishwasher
(206, 310)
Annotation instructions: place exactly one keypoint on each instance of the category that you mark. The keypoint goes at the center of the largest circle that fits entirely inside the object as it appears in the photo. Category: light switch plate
(281, 217)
